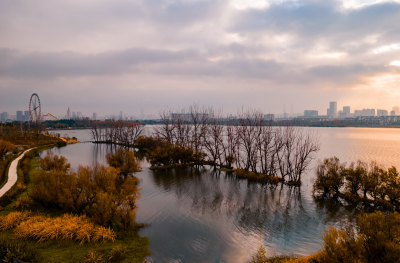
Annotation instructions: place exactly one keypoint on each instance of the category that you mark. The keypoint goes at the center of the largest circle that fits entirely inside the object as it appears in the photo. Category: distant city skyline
(333, 111)
(133, 56)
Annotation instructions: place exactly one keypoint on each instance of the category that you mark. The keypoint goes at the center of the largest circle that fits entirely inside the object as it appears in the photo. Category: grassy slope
(70, 251)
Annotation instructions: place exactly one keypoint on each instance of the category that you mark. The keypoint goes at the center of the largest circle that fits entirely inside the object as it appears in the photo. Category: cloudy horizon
(149, 55)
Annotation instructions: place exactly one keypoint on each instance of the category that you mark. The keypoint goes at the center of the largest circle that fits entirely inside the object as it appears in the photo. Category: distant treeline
(370, 121)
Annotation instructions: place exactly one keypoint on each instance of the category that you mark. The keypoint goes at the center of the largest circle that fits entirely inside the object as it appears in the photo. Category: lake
(209, 216)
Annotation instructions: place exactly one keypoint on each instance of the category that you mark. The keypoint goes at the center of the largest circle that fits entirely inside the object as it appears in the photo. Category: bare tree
(247, 142)
(120, 132)
(213, 140)
(230, 146)
(165, 131)
(306, 145)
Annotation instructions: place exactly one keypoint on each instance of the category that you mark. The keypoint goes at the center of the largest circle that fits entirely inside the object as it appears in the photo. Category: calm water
(206, 216)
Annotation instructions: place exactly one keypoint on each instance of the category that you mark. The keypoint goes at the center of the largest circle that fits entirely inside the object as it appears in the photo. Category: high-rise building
(345, 113)
(20, 115)
(68, 117)
(332, 110)
(4, 116)
(94, 116)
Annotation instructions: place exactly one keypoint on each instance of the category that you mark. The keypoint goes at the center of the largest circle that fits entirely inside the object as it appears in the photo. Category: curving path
(12, 174)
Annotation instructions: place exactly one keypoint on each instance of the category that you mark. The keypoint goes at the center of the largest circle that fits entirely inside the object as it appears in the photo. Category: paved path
(12, 174)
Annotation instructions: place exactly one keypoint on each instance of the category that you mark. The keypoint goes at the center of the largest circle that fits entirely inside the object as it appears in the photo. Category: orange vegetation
(374, 238)
(67, 227)
(101, 193)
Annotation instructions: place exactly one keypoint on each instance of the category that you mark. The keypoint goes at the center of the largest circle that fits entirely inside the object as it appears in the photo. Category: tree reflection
(274, 210)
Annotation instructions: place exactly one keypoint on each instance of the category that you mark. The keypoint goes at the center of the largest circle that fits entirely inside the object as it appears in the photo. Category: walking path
(12, 174)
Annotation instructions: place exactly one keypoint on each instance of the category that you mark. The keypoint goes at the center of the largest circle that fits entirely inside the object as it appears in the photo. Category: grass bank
(127, 247)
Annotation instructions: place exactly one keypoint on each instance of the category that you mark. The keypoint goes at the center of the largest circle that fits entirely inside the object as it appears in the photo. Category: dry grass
(66, 227)
(93, 257)
(13, 219)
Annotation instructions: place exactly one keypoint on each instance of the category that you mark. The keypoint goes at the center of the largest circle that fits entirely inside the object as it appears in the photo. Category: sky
(135, 56)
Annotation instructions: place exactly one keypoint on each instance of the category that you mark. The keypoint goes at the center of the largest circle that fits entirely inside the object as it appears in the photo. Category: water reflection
(243, 215)
(211, 216)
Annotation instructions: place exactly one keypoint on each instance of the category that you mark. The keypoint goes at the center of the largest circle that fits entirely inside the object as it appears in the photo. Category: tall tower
(68, 114)
(332, 110)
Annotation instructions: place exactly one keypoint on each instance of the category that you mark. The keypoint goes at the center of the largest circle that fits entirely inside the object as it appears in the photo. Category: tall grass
(12, 220)
(67, 227)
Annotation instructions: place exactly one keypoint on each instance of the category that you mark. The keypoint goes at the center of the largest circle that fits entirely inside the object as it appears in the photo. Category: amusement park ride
(35, 111)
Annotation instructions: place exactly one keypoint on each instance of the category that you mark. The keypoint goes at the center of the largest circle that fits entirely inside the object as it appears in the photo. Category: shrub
(99, 192)
(330, 177)
(5, 147)
(393, 185)
(148, 144)
(124, 160)
(377, 186)
(379, 235)
(353, 176)
(374, 238)
(23, 202)
(54, 162)
(371, 180)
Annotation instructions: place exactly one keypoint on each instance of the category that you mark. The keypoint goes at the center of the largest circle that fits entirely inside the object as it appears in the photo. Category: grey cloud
(39, 65)
(180, 63)
(186, 62)
(313, 21)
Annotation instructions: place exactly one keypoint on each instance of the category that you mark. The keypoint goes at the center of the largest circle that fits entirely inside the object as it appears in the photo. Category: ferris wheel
(34, 109)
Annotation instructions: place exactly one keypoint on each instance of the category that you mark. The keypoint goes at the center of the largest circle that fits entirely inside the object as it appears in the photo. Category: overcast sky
(149, 55)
